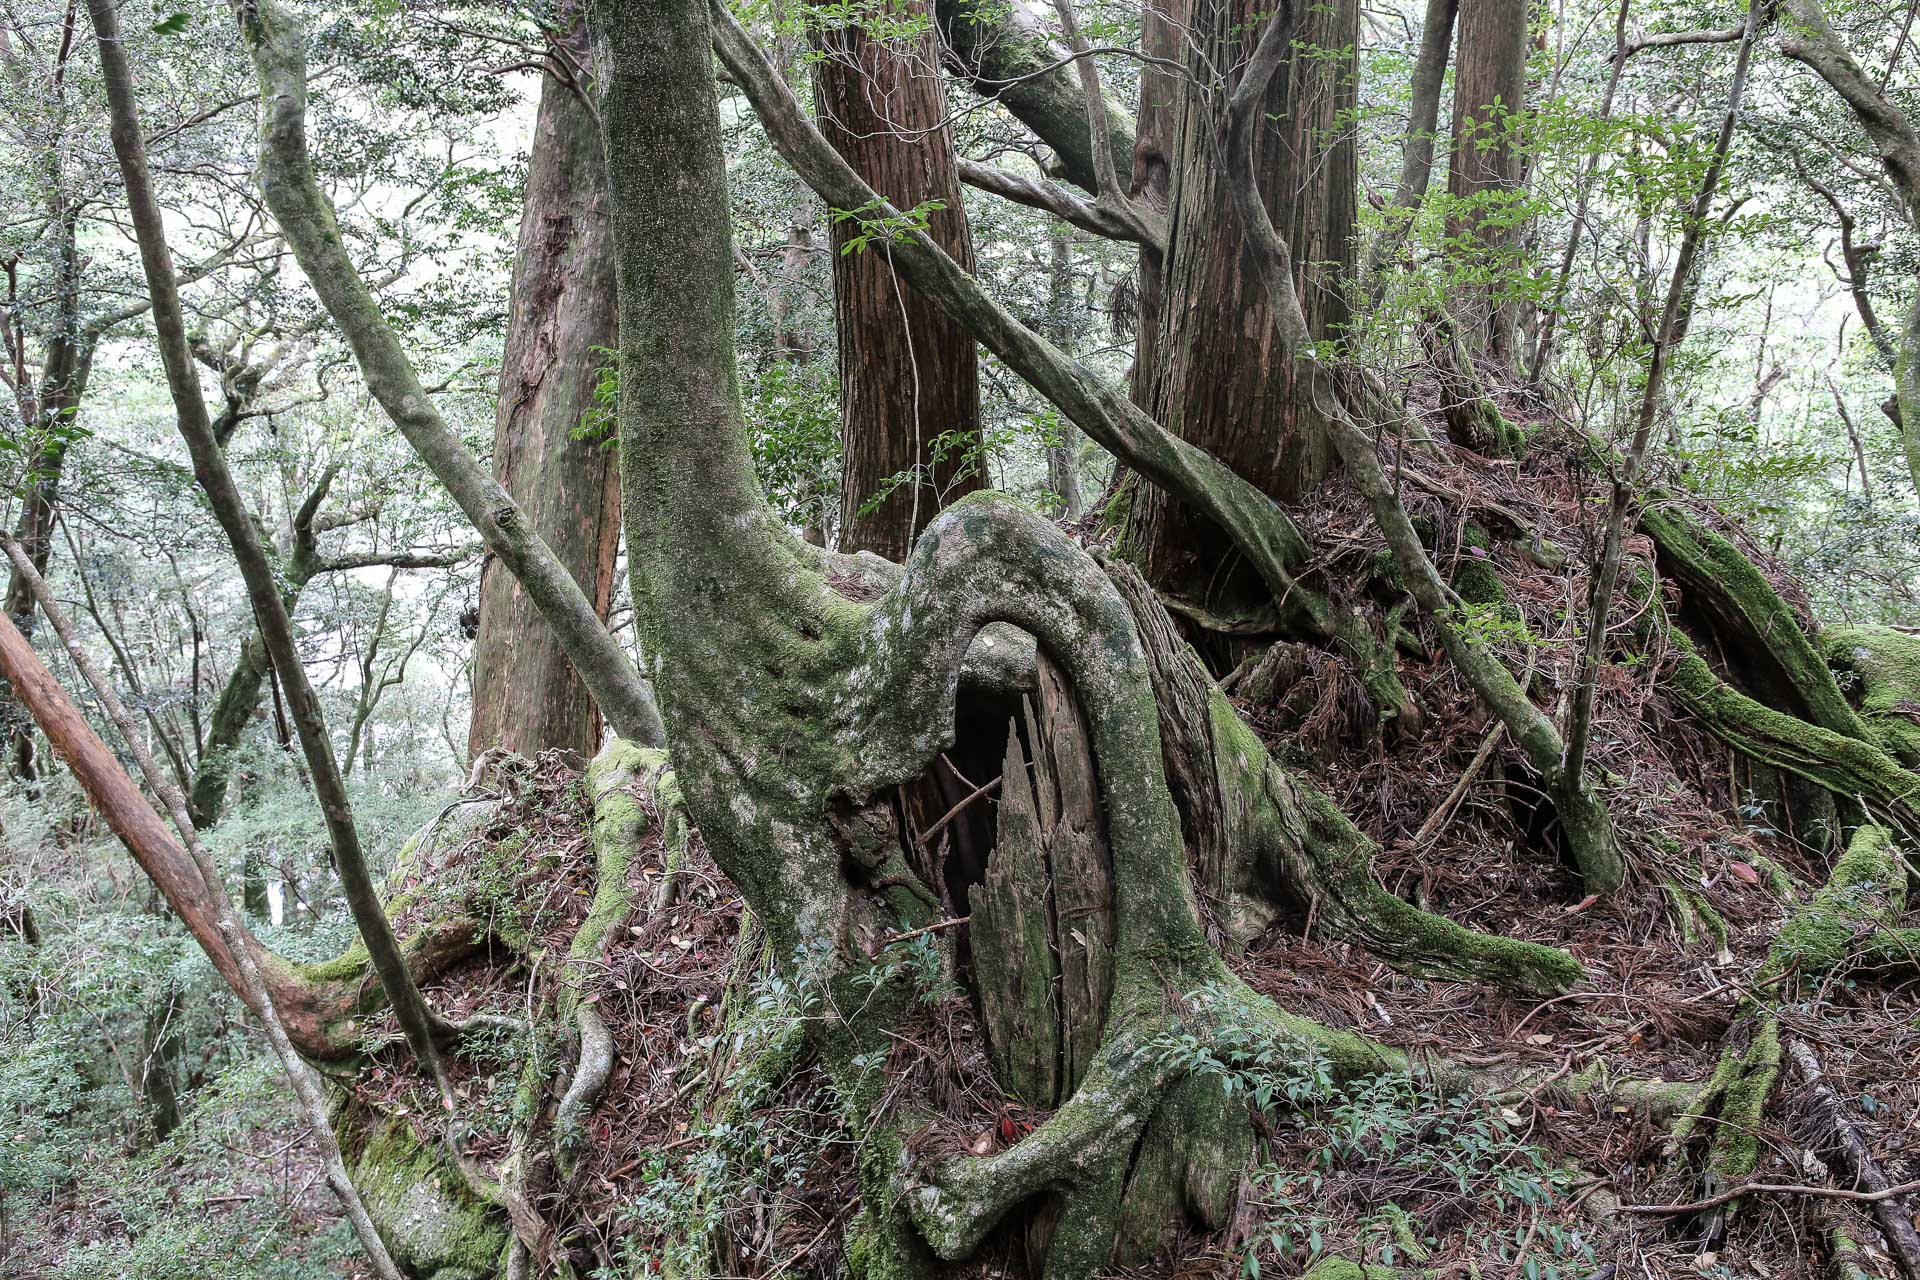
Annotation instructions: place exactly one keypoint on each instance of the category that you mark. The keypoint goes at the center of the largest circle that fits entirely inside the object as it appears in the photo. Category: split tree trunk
(1207, 364)
(526, 695)
(1490, 90)
(908, 375)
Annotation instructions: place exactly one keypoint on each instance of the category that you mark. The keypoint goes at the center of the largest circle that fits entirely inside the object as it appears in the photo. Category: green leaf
(173, 24)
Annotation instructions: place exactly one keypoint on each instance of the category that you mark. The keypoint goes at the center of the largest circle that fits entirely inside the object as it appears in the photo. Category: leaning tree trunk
(1490, 90)
(909, 376)
(526, 695)
(1207, 364)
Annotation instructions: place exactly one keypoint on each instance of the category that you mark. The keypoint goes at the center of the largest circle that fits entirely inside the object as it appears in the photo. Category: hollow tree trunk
(1207, 365)
(909, 376)
(526, 695)
(1490, 89)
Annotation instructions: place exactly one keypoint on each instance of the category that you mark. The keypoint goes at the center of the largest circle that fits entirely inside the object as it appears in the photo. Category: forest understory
(1591, 1116)
(1254, 720)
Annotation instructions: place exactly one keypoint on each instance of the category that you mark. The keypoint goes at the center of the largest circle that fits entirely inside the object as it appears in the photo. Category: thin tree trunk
(1416, 157)
(526, 696)
(1063, 453)
(909, 376)
(270, 612)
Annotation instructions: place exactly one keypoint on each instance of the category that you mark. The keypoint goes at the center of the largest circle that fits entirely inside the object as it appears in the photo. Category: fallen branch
(1778, 1189)
(1846, 1147)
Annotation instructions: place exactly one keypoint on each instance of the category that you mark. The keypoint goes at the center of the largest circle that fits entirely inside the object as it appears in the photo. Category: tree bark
(527, 697)
(306, 217)
(1208, 365)
(909, 376)
(1490, 89)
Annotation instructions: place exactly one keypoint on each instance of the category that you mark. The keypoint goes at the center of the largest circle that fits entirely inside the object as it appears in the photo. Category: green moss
(1751, 613)
(1865, 892)
(432, 1224)
(1659, 1100)
(1882, 667)
(1847, 766)
(1342, 1269)
(1736, 1137)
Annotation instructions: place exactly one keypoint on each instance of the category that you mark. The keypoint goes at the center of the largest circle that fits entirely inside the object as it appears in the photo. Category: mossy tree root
(1883, 667)
(1267, 843)
(1846, 766)
(1746, 611)
(1865, 889)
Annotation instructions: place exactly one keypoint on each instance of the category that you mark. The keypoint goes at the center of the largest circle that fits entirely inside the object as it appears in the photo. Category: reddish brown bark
(1207, 364)
(1490, 88)
(526, 695)
(315, 1013)
(909, 376)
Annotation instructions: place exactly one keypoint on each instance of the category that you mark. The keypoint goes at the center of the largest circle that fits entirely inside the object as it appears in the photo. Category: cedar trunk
(1490, 89)
(526, 695)
(1208, 365)
(909, 376)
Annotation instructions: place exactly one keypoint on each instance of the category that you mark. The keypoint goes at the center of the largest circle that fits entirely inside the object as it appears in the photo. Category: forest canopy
(945, 638)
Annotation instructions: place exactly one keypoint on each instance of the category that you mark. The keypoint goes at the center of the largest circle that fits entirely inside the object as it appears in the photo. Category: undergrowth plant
(1390, 1169)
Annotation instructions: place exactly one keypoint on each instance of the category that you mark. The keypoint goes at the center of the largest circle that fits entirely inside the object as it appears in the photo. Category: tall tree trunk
(48, 411)
(909, 376)
(526, 695)
(1490, 90)
(1207, 365)
(1063, 453)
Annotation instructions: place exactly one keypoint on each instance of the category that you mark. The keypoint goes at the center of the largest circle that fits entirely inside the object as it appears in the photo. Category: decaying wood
(1838, 1141)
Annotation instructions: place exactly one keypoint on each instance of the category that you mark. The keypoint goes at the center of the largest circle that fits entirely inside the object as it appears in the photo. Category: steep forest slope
(1071, 664)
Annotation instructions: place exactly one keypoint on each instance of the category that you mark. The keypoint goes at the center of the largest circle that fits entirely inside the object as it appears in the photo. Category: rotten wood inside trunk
(1042, 927)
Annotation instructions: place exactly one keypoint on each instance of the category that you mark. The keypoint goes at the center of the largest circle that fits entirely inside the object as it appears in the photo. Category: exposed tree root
(1268, 844)
(1844, 765)
(1837, 1140)
(1746, 610)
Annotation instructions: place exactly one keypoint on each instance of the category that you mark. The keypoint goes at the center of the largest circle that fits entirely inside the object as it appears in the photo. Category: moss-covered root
(1743, 1096)
(1749, 614)
(619, 826)
(1293, 842)
(1844, 765)
(1882, 669)
(1850, 916)
(1081, 1154)
(1266, 843)
(431, 1220)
